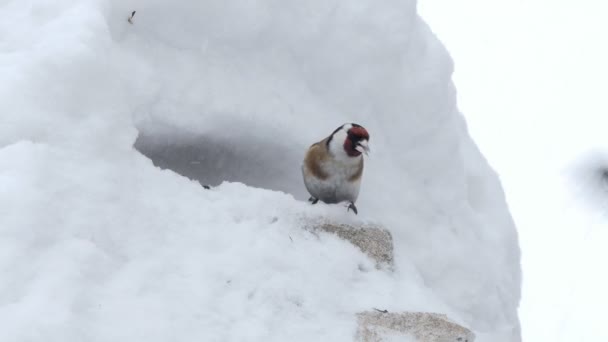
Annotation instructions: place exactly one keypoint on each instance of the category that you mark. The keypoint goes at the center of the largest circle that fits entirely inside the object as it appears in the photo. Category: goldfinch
(333, 167)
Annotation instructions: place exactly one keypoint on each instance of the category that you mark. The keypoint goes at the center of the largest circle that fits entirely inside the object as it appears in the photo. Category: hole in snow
(259, 160)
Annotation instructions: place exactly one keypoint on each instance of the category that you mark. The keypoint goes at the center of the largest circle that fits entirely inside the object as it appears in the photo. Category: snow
(99, 244)
(530, 77)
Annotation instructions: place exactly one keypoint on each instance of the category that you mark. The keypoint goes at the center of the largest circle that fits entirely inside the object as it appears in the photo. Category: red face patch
(350, 148)
(355, 134)
(358, 132)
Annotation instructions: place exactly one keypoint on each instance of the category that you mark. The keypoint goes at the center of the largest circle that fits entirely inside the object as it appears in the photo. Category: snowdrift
(99, 244)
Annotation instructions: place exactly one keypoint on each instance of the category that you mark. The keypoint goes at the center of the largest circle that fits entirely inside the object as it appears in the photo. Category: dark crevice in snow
(214, 158)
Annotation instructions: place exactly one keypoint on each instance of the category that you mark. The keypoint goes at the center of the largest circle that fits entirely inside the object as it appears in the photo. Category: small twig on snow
(130, 19)
(383, 311)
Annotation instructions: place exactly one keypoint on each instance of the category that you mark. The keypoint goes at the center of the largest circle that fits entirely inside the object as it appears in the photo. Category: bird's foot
(313, 200)
(352, 206)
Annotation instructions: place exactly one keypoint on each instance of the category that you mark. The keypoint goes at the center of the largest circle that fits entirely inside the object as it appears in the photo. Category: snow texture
(98, 244)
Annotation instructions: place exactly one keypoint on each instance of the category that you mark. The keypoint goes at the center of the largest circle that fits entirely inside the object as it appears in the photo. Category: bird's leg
(352, 206)
(313, 200)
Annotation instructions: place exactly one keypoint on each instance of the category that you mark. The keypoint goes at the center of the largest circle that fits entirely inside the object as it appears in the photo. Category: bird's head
(351, 139)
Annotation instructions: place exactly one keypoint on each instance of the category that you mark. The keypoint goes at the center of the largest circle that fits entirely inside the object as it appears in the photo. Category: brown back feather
(317, 153)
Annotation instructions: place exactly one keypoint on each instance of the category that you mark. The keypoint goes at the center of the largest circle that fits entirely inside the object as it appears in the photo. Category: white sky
(531, 79)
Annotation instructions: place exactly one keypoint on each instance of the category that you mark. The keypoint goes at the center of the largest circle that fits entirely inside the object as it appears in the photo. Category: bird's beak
(362, 147)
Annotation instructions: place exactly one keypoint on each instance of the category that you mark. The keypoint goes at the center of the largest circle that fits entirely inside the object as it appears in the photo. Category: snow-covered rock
(373, 240)
(99, 244)
(378, 326)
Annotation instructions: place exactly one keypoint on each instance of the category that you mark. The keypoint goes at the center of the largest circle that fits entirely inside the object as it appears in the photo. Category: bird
(332, 168)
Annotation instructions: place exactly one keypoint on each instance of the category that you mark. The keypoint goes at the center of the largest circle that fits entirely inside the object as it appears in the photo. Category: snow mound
(99, 244)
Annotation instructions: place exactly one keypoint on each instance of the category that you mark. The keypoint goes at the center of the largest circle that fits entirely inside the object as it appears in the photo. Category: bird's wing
(315, 156)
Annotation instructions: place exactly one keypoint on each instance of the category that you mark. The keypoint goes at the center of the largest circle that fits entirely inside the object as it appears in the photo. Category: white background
(531, 81)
